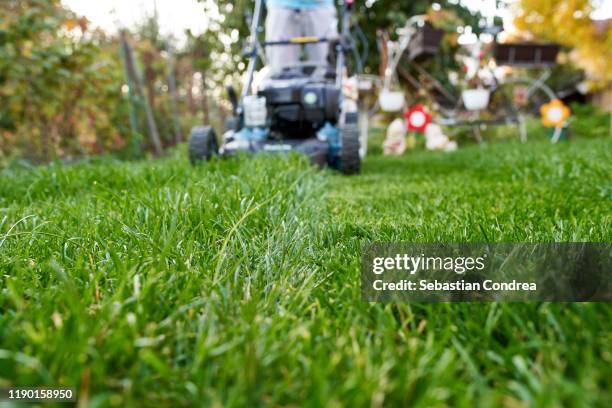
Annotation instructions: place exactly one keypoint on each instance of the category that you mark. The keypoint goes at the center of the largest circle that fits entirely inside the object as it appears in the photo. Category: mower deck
(319, 152)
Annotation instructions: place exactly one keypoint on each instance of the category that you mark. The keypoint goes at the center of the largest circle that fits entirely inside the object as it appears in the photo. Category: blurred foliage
(63, 89)
(564, 76)
(568, 22)
(589, 121)
(59, 83)
(390, 14)
(151, 51)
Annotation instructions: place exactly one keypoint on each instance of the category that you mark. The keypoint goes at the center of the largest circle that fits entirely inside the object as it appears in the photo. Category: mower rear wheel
(349, 153)
(202, 144)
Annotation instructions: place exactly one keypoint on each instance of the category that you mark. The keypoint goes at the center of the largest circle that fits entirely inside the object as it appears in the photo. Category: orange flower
(554, 114)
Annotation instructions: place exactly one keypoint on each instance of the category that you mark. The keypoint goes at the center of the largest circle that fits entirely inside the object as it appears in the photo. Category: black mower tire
(202, 144)
(349, 153)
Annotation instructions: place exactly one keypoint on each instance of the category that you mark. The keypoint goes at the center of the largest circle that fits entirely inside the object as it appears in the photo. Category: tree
(60, 84)
(567, 22)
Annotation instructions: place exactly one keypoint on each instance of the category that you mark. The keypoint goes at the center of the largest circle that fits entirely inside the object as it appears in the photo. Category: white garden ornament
(435, 139)
(395, 141)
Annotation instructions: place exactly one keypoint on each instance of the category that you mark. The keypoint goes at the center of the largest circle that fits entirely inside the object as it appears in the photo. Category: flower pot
(475, 99)
(391, 101)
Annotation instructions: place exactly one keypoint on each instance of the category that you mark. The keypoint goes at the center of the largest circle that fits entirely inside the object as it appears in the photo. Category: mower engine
(298, 108)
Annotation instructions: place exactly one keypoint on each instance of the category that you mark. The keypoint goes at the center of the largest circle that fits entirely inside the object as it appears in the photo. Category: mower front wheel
(349, 153)
(202, 144)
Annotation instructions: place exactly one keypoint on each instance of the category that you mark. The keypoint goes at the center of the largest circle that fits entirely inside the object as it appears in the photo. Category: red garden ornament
(417, 118)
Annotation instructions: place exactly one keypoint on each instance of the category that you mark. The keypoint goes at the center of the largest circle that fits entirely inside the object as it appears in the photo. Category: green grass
(237, 283)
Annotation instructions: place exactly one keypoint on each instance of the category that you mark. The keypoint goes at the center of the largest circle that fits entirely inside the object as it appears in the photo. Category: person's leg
(281, 25)
(319, 22)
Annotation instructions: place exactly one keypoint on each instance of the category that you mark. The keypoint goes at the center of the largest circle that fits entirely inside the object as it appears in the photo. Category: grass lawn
(237, 283)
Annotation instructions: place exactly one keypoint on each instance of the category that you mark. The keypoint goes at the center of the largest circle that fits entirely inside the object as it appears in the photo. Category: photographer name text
(412, 265)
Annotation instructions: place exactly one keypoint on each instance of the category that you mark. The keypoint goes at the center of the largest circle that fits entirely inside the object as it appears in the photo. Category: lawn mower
(304, 108)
